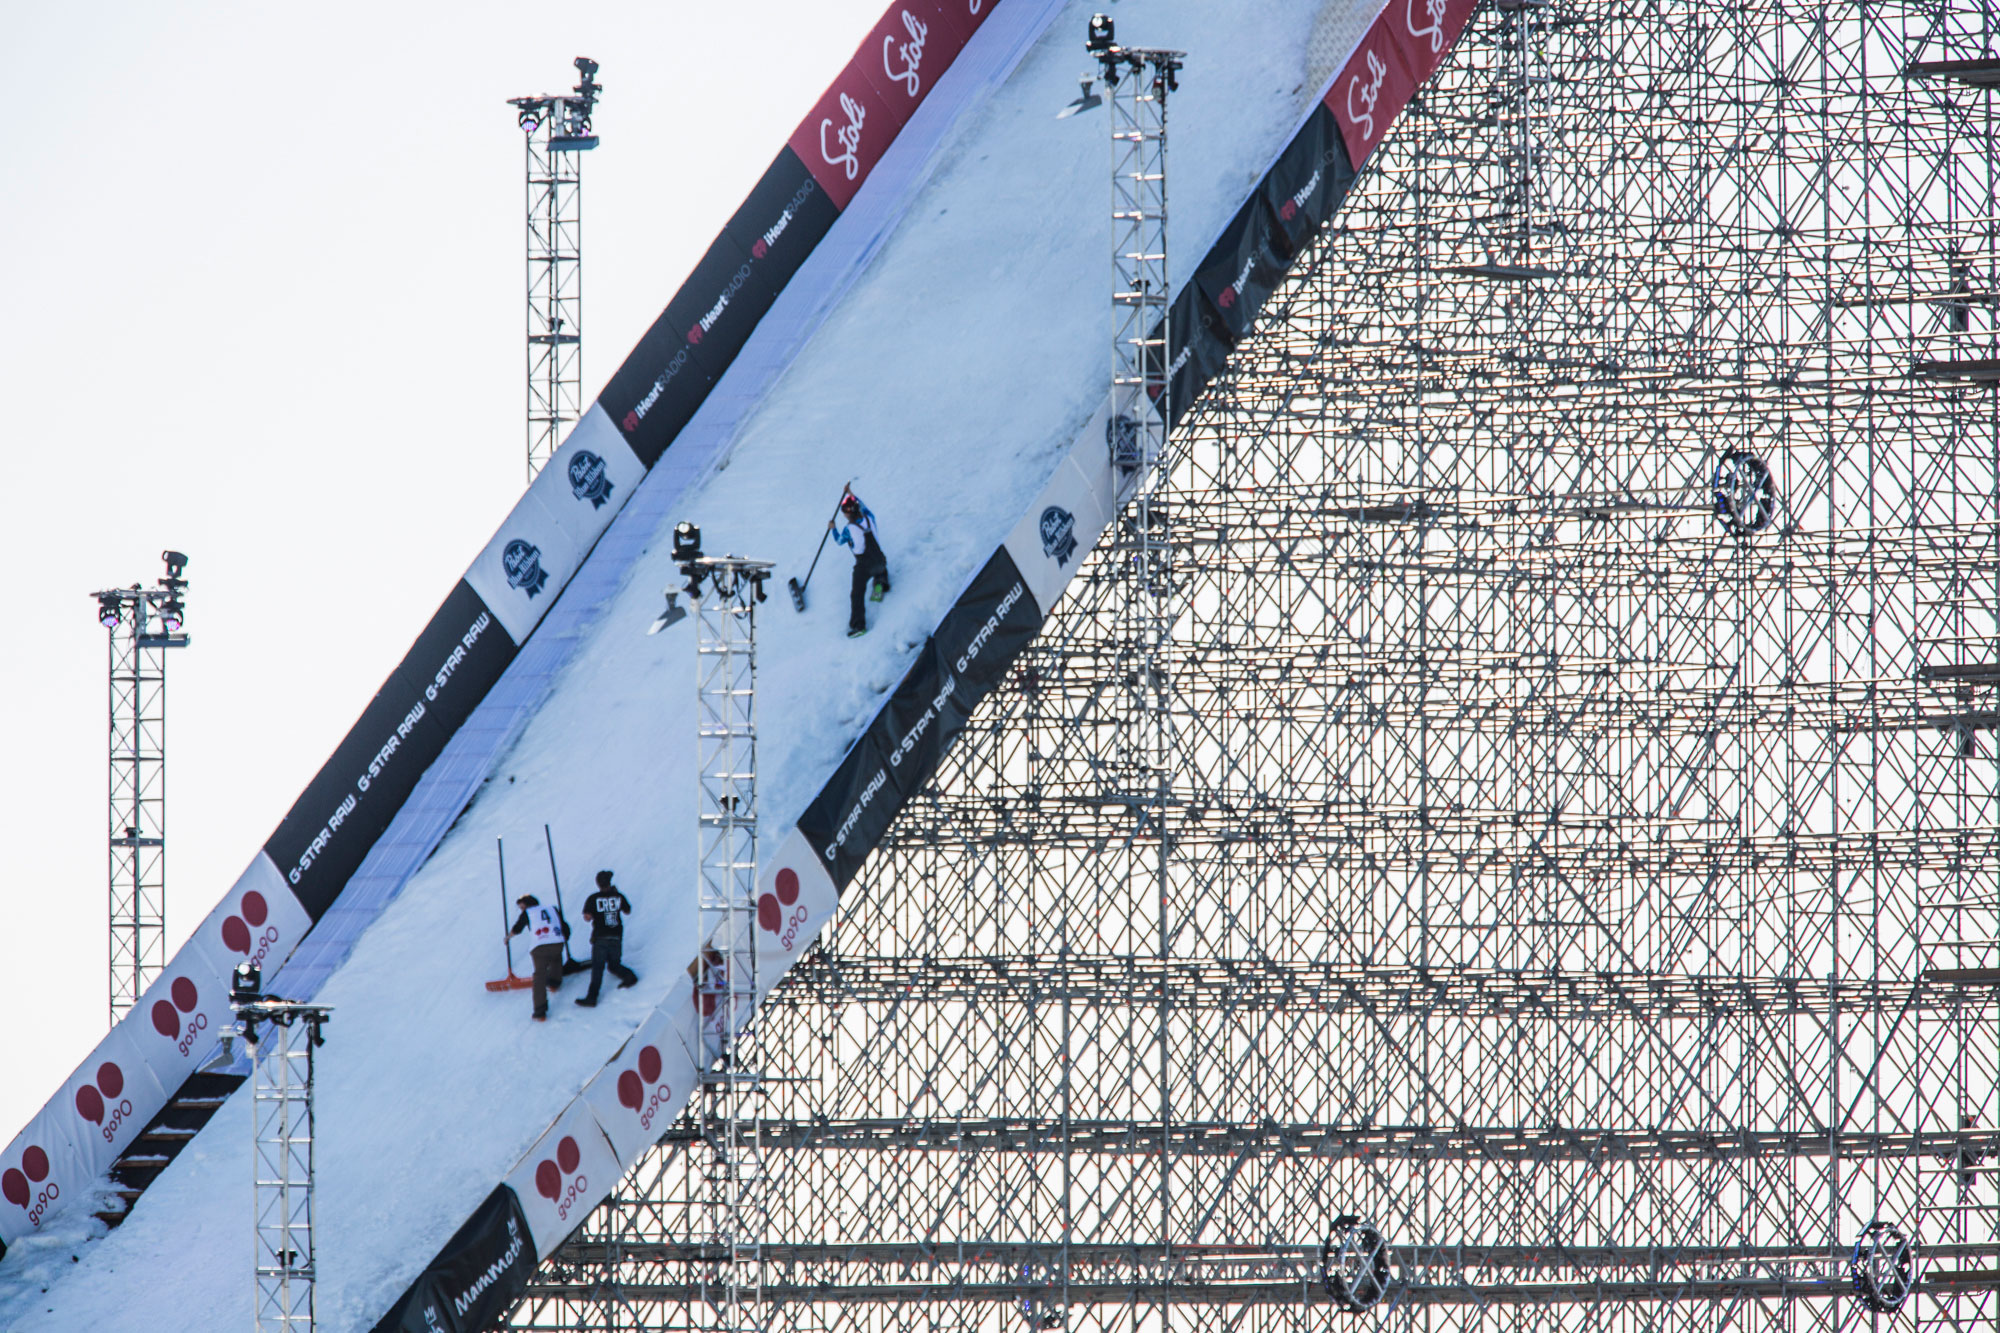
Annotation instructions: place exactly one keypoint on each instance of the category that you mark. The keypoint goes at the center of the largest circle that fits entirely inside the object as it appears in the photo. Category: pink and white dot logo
(103, 1102)
(781, 912)
(23, 1185)
(172, 1019)
(640, 1089)
(559, 1181)
(252, 933)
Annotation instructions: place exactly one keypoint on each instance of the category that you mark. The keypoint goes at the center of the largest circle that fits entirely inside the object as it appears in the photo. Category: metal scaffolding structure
(279, 1039)
(556, 130)
(1581, 859)
(142, 624)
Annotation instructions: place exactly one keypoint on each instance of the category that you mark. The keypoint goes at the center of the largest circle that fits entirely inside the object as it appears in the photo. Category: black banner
(1244, 267)
(1308, 181)
(853, 810)
(656, 391)
(355, 794)
(457, 658)
(1201, 343)
(729, 294)
(987, 628)
(478, 1274)
(956, 668)
(785, 217)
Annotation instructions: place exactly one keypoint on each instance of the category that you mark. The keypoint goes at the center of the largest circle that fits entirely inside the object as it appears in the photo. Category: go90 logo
(781, 912)
(640, 1089)
(168, 1015)
(23, 1185)
(103, 1102)
(250, 932)
(553, 1179)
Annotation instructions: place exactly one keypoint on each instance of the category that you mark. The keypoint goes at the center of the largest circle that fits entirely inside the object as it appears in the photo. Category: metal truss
(143, 624)
(1599, 899)
(556, 131)
(280, 1038)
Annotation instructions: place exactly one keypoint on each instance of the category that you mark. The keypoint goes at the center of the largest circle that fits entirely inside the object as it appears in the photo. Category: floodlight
(176, 563)
(245, 984)
(1101, 36)
(687, 543)
(531, 120)
(108, 614)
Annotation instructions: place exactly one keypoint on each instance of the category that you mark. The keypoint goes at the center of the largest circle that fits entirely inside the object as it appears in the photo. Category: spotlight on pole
(108, 614)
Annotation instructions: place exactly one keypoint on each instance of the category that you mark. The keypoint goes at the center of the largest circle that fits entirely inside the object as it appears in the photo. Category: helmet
(849, 505)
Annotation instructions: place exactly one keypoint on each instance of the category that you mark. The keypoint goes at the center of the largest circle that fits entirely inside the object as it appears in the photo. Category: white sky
(264, 292)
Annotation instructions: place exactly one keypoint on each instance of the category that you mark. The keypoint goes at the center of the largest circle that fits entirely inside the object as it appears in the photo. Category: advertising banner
(355, 794)
(1308, 181)
(985, 630)
(1201, 340)
(184, 1013)
(786, 215)
(563, 1176)
(921, 718)
(1372, 86)
(724, 298)
(259, 921)
(908, 48)
(524, 567)
(1058, 532)
(468, 1287)
(457, 658)
(660, 386)
(795, 900)
(589, 479)
(1244, 267)
(852, 810)
(113, 1095)
(43, 1172)
(638, 1094)
(845, 134)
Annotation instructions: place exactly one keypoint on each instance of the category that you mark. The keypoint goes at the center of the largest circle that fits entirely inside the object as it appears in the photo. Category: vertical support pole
(732, 1091)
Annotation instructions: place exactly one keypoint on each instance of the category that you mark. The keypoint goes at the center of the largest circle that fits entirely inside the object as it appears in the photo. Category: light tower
(556, 128)
(725, 591)
(143, 624)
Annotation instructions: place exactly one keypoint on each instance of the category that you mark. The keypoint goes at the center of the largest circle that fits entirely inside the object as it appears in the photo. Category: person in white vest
(546, 932)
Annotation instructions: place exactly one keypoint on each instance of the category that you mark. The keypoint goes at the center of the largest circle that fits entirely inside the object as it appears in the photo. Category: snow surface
(946, 384)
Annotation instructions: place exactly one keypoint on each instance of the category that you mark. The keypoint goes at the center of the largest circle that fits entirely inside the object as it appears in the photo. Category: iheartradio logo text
(780, 912)
(552, 1179)
(103, 1102)
(18, 1185)
(167, 1017)
(247, 934)
(640, 1090)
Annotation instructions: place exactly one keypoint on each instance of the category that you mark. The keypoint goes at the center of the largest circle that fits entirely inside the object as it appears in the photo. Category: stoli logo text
(911, 54)
(847, 136)
(1367, 94)
(1433, 18)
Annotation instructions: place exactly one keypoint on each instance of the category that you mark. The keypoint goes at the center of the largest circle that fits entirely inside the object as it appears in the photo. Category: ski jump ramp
(915, 297)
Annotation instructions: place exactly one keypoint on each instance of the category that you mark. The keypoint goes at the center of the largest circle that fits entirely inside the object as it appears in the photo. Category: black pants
(607, 953)
(548, 974)
(870, 565)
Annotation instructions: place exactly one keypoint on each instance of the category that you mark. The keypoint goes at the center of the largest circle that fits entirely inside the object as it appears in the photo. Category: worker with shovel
(546, 932)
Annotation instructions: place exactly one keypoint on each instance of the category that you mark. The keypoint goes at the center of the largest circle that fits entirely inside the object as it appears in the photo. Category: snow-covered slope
(943, 345)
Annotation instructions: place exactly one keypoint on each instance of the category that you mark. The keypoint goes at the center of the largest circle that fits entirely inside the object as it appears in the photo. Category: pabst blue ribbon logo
(103, 1103)
(779, 912)
(1433, 12)
(523, 563)
(848, 137)
(175, 1018)
(910, 54)
(1058, 534)
(587, 479)
(22, 1185)
(1366, 95)
(640, 1089)
(552, 1178)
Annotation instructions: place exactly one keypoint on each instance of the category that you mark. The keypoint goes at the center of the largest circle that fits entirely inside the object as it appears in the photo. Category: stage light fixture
(172, 614)
(687, 543)
(108, 614)
(1102, 35)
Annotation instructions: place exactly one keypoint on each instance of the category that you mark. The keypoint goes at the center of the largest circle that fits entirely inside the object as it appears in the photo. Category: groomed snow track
(914, 296)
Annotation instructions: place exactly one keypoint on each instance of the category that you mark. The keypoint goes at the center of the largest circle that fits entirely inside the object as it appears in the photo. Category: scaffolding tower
(557, 131)
(1582, 859)
(279, 1039)
(142, 624)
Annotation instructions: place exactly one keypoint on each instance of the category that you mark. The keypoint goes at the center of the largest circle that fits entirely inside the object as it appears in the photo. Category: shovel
(510, 981)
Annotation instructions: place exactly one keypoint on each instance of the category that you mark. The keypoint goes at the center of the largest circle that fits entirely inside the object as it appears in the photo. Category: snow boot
(540, 1018)
(875, 591)
(628, 985)
(856, 633)
(586, 1001)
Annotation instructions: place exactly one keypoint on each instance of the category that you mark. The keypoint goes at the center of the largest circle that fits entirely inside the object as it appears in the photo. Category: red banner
(1403, 47)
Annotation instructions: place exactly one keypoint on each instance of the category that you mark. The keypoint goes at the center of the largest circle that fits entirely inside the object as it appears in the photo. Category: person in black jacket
(605, 911)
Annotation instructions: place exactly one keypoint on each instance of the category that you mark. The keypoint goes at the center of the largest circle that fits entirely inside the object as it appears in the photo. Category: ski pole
(506, 935)
(568, 959)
